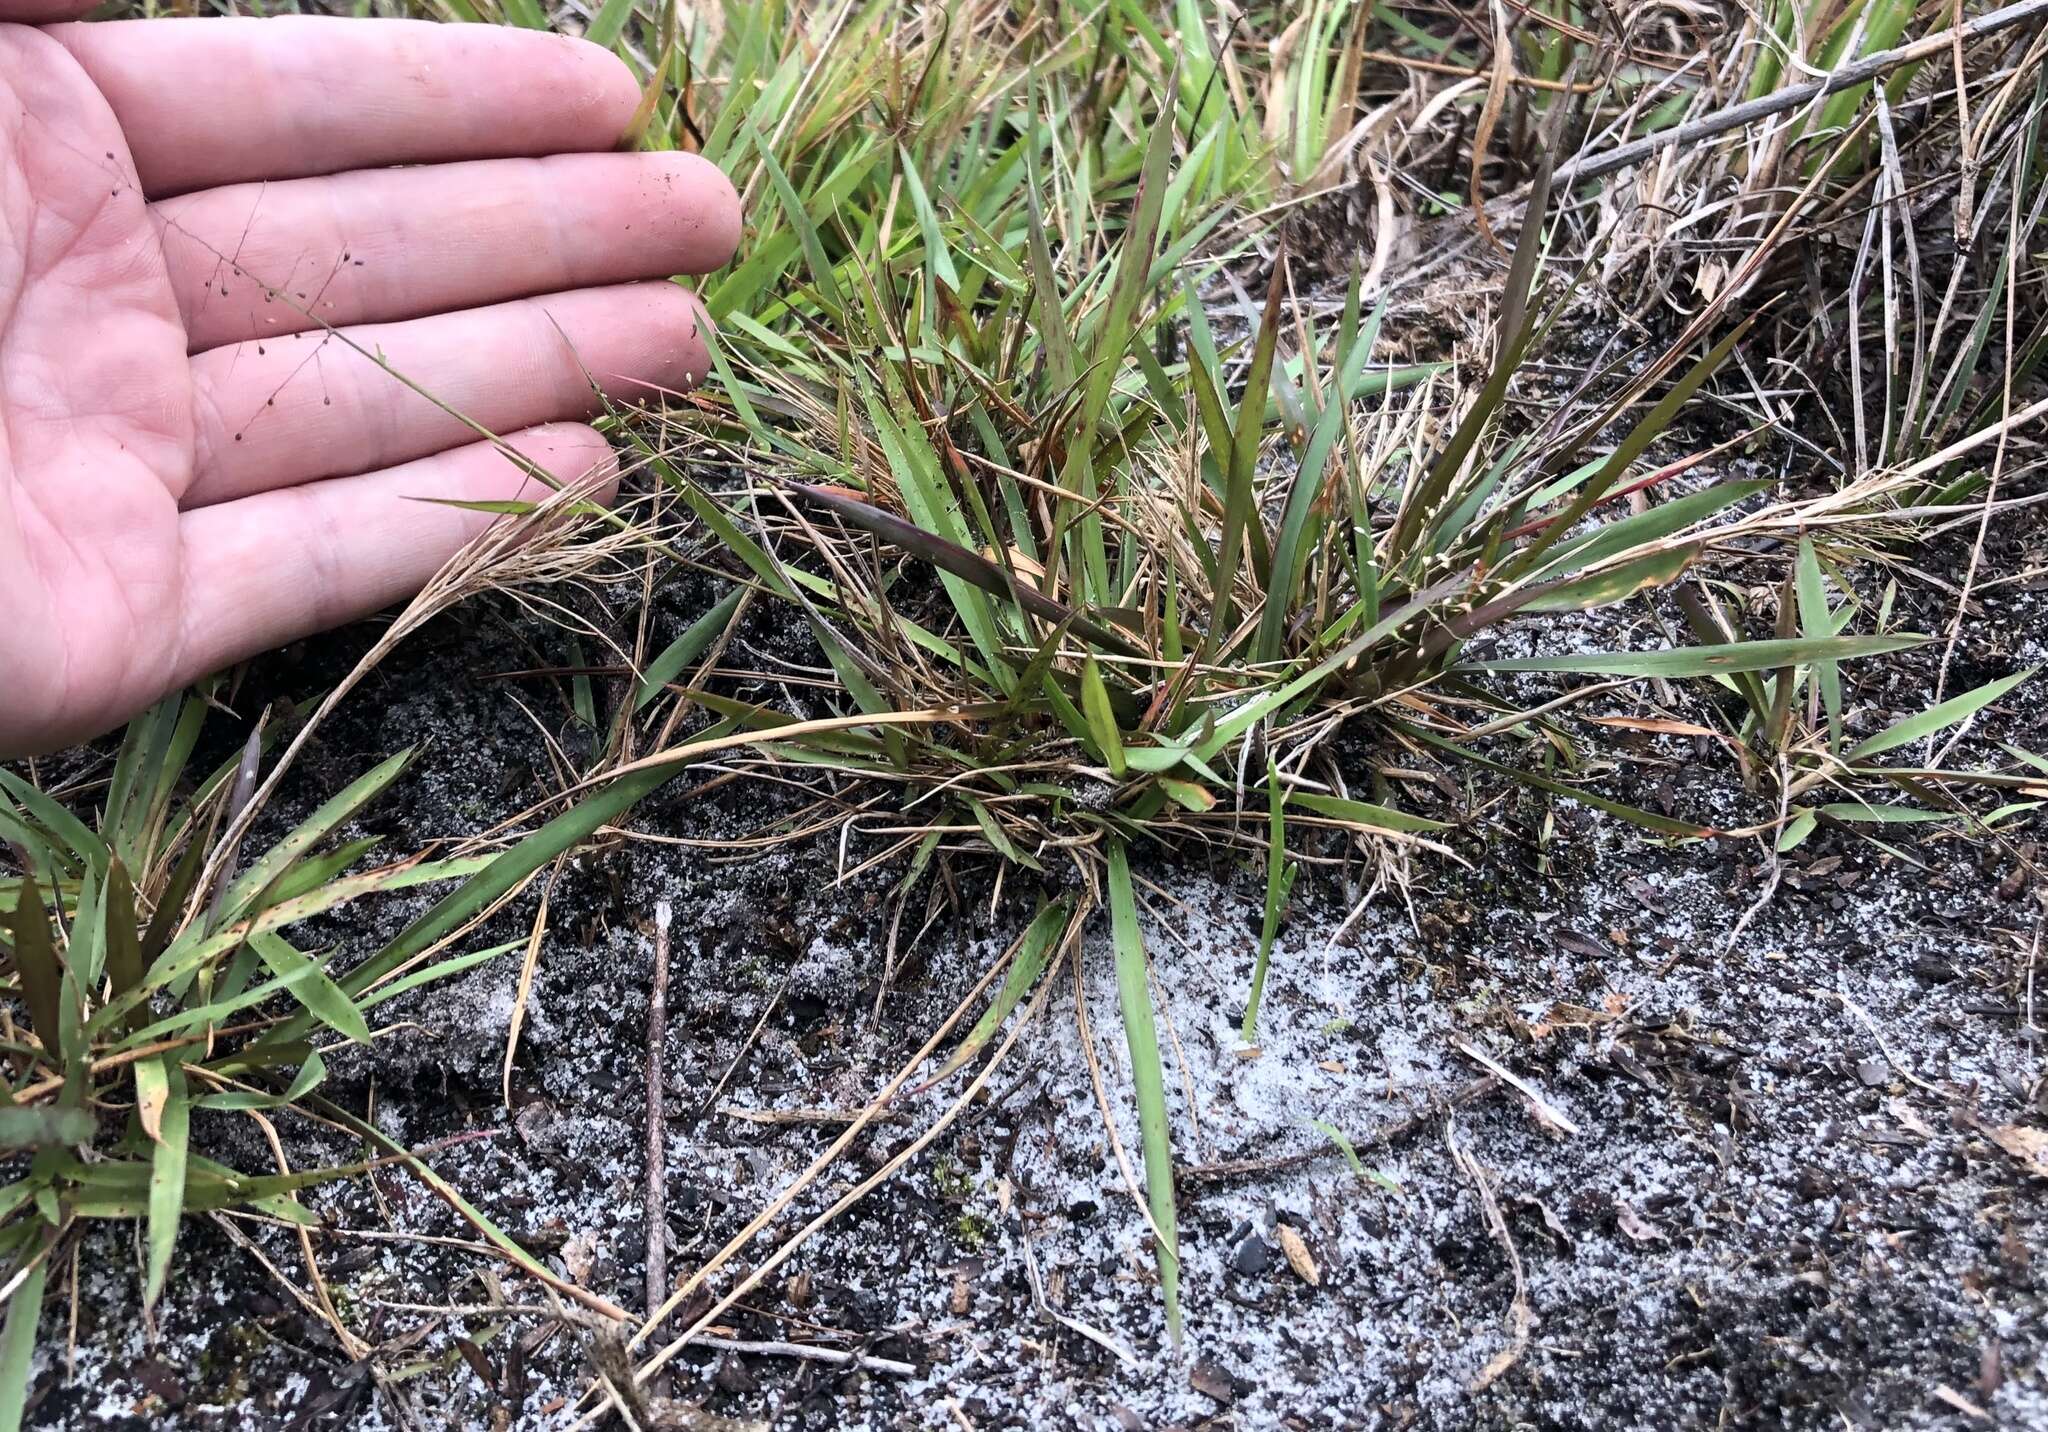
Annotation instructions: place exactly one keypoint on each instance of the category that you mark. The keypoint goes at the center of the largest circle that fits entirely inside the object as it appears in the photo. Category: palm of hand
(191, 467)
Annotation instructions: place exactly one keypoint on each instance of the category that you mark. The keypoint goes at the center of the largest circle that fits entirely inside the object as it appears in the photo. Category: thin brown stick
(1735, 116)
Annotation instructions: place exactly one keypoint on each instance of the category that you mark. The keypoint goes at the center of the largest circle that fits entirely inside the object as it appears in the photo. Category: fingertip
(720, 216)
(574, 455)
(611, 94)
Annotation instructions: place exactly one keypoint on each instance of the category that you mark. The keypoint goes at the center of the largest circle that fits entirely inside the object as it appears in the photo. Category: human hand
(191, 468)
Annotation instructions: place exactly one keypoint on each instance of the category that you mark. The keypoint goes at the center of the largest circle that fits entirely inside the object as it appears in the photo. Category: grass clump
(1035, 470)
(1101, 550)
(157, 982)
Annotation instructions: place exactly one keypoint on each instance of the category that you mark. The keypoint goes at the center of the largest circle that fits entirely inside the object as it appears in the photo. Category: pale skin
(193, 467)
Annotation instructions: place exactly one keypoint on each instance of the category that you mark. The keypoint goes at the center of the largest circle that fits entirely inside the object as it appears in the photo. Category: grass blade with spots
(122, 940)
(1617, 583)
(1365, 814)
(89, 849)
(310, 832)
(311, 986)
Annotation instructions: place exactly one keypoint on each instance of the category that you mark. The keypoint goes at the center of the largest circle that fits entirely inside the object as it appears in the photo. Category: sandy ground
(1767, 1183)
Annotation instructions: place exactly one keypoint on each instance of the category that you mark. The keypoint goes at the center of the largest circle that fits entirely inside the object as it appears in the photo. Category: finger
(378, 245)
(291, 410)
(220, 101)
(41, 12)
(281, 565)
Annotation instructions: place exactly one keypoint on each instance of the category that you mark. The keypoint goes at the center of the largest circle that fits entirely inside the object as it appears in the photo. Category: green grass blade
(1659, 522)
(1815, 620)
(1148, 1076)
(1280, 876)
(1240, 496)
(1616, 584)
(18, 1345)
(1938, 718)
(122, 938)
(311, 986)
(75, 834)
(686, 648)
(1101, 717)
(1707, 660)
(1646, 431)
(609, 23)
(35, 963)
(439, 970)
(163, 1080)
(1363, 813)
(309, 833)
(1034, 951)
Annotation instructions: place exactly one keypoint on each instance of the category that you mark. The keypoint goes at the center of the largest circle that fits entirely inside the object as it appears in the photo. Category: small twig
(1546, 1112)
(2033, 959)
(1404, 1127)
(1777, 861)
(710, 1100)
(1520, 1319)
(657, 1133)
(809, 1353)
(1095, 1335)
(1877, 1037)
(815, 1117)
(527, 969)
(1735, 116)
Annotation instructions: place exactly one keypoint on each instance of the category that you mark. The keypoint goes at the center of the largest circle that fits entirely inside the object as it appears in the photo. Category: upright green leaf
(161, 1082)
(1240, 497)
(35, 963)
(1034, 950)
(1815, 620)
(310, 832)
(18, 1345)
(1280, 875)
(1148, 1077)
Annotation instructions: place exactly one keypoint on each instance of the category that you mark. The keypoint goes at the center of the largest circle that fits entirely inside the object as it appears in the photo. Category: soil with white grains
(1616, 1158)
